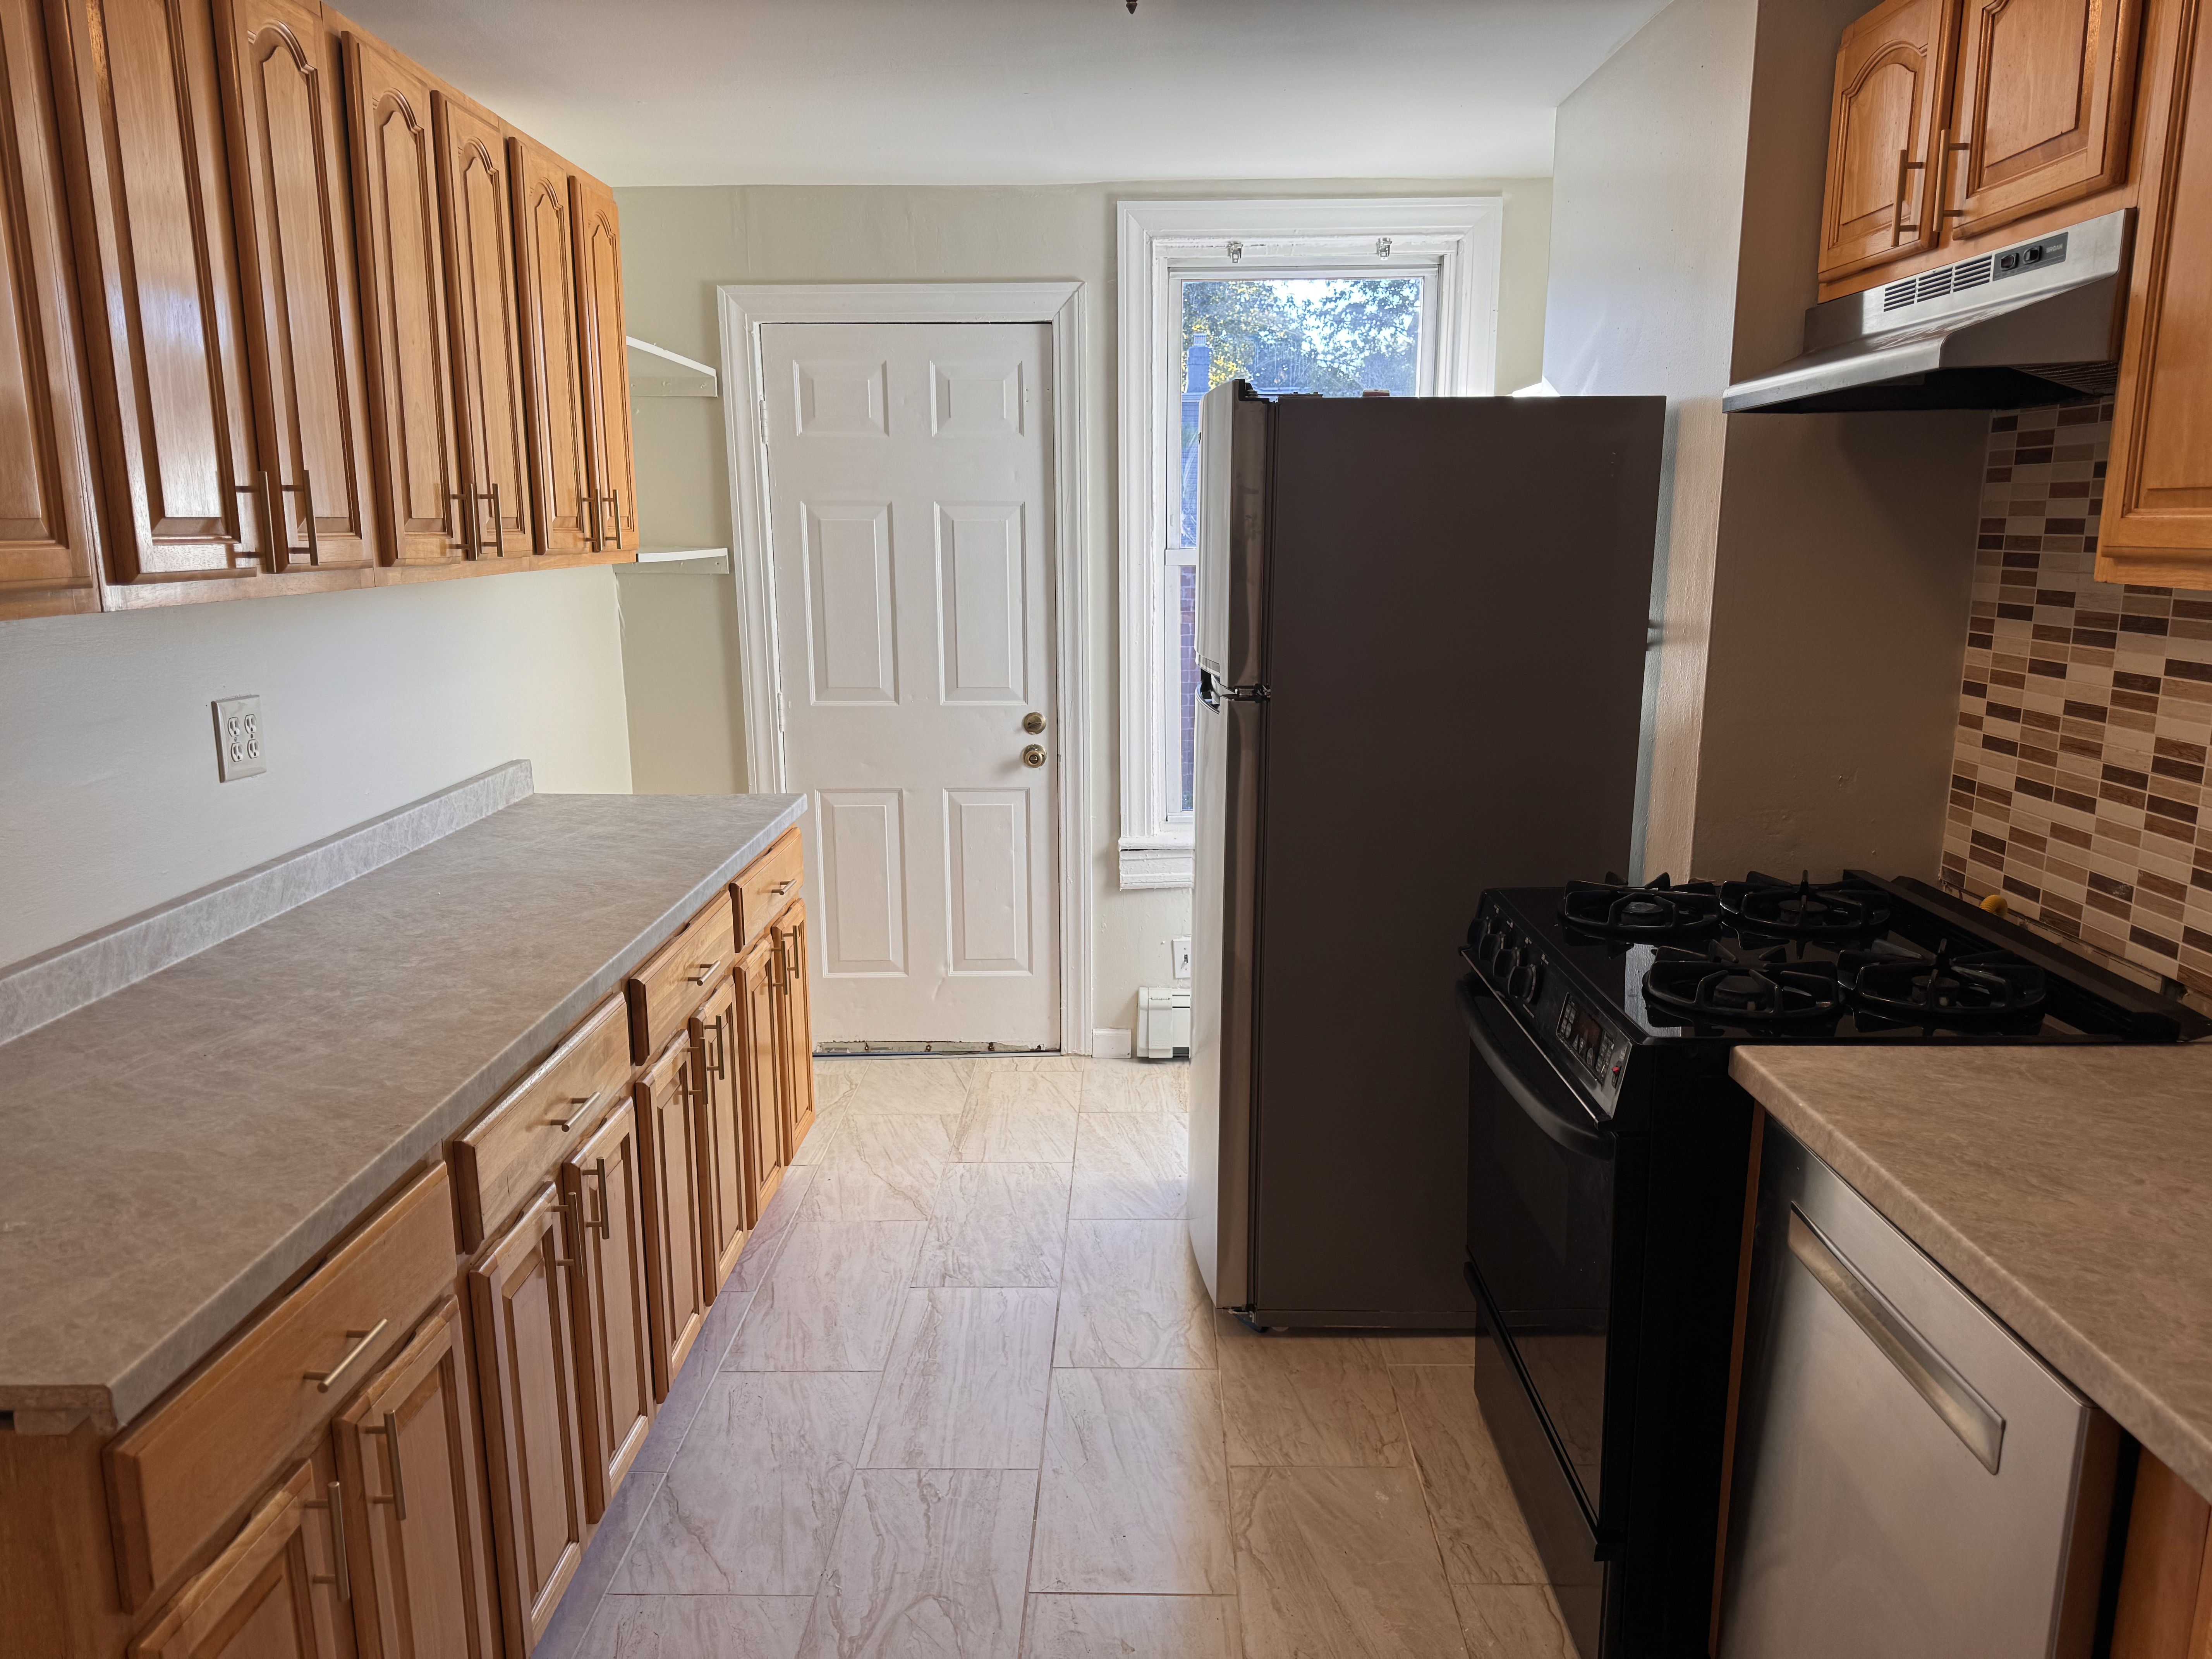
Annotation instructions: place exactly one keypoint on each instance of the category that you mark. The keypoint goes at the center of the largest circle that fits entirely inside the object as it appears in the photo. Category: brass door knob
(1033, 756)
(1033, 723)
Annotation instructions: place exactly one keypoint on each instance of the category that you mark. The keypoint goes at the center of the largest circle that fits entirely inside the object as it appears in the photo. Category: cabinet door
(2045, 91)
(2157, 528)
(794, 1028)
(760, 1071)
(725, 1216)
(603, 1185)
(606, 365)
(49, 545)
(1893, 72)
(526, 1379)
(284, 119)
(552, 338)
(404, 326)
(407, 1452)
(676, 1275)
(275, 1592)
(149, 202)
(476, 212)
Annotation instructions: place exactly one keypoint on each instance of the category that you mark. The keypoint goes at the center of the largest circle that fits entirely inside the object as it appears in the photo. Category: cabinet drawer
(676, 977)
(766, 885)
(504, 1156)
(193, 1463)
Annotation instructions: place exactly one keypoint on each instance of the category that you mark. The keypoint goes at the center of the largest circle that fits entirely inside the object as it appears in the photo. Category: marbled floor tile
(928, 1564)
(818, 1139)
(1001, 1082)
(1130, 1627)
(1423, 1347)
(999, 1131)
(572, 1620)
(1306, 1399)
(697, 1628)
(1339, 1562)
(751, 1505)
(1512, 1621)
(1136, 1085)
(767, 1241)
(673, 1421)
(881, 1169)
(965, 1385)
(1134, 1498)
(996, 1224)
(1131, 1296)
(1129, 1165)
(1478, 1520)
(832, 1299)
(928, 1084)
(983, 1063)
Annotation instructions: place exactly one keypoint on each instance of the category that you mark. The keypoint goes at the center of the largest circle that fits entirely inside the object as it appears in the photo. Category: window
(1339, 298)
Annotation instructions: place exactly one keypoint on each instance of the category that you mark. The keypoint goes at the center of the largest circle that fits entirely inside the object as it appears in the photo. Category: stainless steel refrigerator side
(1224, 966)
(1234, 431)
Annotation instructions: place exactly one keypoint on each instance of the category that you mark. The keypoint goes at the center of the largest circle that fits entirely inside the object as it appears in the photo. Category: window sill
(1156, 863)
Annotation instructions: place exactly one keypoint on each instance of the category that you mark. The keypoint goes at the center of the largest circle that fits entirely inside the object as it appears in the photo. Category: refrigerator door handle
(1206, 694)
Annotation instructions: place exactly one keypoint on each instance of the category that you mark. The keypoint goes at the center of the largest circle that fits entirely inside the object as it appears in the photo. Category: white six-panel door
(911, 521)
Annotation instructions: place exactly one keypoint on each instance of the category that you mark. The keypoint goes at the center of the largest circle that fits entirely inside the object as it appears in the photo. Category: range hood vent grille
(1934, 285)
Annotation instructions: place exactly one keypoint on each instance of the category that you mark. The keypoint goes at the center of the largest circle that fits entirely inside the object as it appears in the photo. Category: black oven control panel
(1588, 1048)
(1601, 1051)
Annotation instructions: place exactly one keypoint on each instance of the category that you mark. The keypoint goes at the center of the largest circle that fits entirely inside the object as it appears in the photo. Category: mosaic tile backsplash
(2084, 718)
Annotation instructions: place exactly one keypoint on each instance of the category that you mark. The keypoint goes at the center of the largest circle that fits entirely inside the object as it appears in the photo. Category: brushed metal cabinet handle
(583, 1105)
(367, 1339)
(602, 1226)
(389, 1431)
(1933, 1377)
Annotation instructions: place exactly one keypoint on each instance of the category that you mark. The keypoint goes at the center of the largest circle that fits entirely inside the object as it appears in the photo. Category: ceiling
(954, 92)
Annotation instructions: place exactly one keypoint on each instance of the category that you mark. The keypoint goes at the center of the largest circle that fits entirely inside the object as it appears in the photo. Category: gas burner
(1762, 989)
(1984, 989)
(1656, 910)
(1782, 910)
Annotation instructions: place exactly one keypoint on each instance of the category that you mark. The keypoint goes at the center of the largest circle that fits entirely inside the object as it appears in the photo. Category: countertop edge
(2167, 1436)
(203, 1330)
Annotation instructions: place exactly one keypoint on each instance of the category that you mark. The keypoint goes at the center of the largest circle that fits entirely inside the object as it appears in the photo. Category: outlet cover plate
(1180, 949)
(239, 748)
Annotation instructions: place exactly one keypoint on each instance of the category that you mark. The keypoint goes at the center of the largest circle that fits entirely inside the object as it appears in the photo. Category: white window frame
(1456, 240)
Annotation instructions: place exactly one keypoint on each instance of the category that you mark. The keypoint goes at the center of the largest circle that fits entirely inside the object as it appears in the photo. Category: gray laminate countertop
(2070, 1189)
(178, 1149)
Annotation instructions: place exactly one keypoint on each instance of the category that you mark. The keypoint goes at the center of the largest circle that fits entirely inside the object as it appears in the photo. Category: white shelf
(657, 372)
(678, 561)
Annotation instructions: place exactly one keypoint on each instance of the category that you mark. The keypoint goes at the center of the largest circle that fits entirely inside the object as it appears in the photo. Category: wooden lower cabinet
(533, 1451)
(2165, 1609)
(794, 1031)
(418, 1549)
(603, 1185)
(760, 1069)
(276, 1592)
(676, 1275)
(726, 1217)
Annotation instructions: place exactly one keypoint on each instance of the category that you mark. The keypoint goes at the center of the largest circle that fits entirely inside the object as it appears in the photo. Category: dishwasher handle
(1933, 1377)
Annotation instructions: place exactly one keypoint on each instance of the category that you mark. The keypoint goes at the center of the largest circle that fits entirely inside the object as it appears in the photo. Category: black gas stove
(1608, 1154)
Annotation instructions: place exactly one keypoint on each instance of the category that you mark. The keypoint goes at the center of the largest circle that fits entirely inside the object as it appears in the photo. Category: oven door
(1541, 1169)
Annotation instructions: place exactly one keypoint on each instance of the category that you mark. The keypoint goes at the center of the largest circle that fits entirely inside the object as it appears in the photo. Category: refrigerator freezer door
(1232, 528)
(1223, 905)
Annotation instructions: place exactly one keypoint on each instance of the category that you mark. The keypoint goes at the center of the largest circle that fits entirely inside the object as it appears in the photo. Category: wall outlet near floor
(237, 747)
(1179, 949)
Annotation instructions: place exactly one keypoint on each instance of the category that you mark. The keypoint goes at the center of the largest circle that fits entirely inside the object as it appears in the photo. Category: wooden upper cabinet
(606, 365)
(2046, 89)
(552, 344)
(478, 220)
(49, 542)
(405, 342)
(285, 123)
(604, 1186)
(141, 133)
(407, 1453)
(2157, 528)
(1893, 73)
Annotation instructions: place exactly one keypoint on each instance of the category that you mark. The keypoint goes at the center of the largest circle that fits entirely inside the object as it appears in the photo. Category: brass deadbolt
(1033, 756)
(1033, 723)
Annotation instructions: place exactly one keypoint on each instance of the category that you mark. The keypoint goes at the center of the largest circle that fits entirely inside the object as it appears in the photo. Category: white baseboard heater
(1164, 1023)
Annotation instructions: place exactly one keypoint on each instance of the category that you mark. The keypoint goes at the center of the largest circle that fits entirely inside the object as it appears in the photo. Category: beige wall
(1813, 571)
(108, 797)
(682, 242)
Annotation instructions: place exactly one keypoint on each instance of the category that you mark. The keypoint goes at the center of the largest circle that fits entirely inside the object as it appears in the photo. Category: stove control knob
(1527, 976)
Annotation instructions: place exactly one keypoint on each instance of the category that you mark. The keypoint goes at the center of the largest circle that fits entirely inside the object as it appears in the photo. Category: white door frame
(745, 308)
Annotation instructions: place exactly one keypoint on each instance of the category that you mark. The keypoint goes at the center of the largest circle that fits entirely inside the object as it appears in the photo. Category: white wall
(109, 801)
(682, 242)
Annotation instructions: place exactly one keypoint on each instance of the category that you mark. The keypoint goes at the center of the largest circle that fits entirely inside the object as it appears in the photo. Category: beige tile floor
(964, 1399)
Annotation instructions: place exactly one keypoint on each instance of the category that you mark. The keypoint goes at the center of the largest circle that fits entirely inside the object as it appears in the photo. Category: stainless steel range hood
(2035, 323)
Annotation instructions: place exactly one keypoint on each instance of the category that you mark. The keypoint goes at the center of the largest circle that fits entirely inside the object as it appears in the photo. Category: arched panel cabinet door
(552, 344)
(606, 360)
(1893, 83)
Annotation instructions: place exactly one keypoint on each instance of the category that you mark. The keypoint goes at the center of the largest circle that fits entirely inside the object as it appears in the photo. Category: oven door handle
(1484, 1022)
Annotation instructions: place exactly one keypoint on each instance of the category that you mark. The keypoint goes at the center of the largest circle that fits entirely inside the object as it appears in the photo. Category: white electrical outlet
(237, 739)
(1180, 949)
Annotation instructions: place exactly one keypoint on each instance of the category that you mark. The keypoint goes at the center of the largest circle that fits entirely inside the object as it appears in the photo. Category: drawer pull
(783, 887)
(365, 1341)
(389, 1431)
(583, 1105)
(706, 972)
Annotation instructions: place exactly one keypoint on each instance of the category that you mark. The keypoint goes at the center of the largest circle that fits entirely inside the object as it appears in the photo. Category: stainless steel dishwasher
(1909, 1480)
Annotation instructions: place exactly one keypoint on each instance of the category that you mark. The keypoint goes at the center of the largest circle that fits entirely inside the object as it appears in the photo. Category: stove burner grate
(1803, 910)
(1655, 910)
(1765, 988)
(1980, 988)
